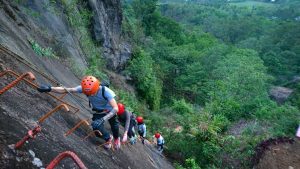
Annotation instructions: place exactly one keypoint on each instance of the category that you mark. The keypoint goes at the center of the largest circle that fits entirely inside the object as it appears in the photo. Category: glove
(124, 138)
(44, 88)
(97, 123)
(132, 140)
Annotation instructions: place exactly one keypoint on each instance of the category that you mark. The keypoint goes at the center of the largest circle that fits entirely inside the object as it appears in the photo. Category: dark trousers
(114, 125)
(130, 130)
(160, 147)
(142, 136)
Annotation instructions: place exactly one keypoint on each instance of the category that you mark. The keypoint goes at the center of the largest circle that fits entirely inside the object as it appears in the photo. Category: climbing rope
(36, 130)
(32, 133)
(33, 67)
(27, 63)
(78, 102)
(33, 85)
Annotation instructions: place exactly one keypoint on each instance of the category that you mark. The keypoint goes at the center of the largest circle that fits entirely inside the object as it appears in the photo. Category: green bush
(129, 100)
(240, 85)
(283, 119)
(39, 50)
(95, 68)
(182, 107)
(203, 132)
(156, 122)
(148, 85)
(190, 163)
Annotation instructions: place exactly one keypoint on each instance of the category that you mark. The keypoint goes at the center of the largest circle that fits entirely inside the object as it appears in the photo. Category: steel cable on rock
(76, 100)
(45, 75)
(55, 81)
(33, 67)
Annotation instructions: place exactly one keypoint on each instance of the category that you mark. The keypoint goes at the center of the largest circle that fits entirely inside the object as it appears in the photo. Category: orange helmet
(90, 85)
(157, 135)
(140, 119)
(121, 108)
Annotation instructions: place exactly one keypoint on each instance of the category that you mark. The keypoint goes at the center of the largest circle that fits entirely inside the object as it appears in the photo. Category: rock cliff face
(21, 106)
(50, 24)
(107, 21)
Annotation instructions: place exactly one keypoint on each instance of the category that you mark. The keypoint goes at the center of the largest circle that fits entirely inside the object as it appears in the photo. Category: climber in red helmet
(104, 106)
(128, 121)
(159, 141)
(142, 130)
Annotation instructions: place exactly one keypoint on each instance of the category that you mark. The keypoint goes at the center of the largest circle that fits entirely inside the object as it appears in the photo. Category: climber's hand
(97, 123)
(124, 140)
(44, 88)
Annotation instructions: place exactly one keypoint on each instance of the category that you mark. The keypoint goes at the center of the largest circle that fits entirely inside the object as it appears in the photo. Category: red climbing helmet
(121, 108)
(90, 85)
(139, 119)
(157, 135)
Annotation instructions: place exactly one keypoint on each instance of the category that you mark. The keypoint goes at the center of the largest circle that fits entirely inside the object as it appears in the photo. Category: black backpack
(104, 84)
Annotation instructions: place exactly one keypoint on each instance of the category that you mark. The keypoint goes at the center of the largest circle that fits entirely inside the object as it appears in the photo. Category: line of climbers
(105, 108)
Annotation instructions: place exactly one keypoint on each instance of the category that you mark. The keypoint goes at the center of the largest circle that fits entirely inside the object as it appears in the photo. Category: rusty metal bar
(42, 119)
(31, 66)
(91, 133)
(85, 122)
(15, 82)
(36, 86)
(75, 108)
(63, 155)
(21, 59)
(30, 134)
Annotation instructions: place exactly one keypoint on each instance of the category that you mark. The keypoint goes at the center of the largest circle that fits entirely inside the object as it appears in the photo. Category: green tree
(149, 87)
(145, 11)
(239, 84)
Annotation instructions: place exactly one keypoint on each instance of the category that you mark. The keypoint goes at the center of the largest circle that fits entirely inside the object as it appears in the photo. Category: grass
(41, 51)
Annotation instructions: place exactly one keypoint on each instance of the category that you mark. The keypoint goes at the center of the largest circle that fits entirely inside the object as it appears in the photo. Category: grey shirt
(125, 118)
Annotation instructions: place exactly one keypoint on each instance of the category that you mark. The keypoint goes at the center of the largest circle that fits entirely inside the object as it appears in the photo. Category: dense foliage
(273, 31)
(149, 85)
(202, 70)
(206, 67)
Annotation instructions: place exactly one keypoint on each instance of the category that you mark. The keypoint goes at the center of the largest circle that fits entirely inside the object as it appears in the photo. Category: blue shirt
(160, 141)
(142, 129)
(97, 101)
